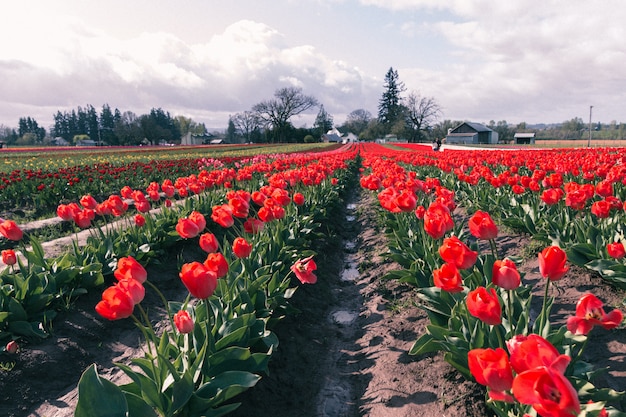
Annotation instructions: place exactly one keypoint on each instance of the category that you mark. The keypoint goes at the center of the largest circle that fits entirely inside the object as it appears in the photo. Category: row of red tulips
(478, 305)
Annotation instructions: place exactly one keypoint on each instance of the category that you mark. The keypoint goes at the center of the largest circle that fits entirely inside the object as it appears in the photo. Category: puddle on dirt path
(344, 317)
(350, 218)
(350, 274)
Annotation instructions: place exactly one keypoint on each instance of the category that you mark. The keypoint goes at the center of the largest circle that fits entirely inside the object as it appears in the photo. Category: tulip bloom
(253, 225)
(223, 216)
(241, 247)
(601, 209)
(533, 351)
(217, 263)
(10, 230)
(133, 288)
(552, 263)
(549, 392)
(552, 196)
(616, 250)
(448, 278)
(116, 304)
(505, 274)
(491, 367)
(199, 280)
(298, 199)
(129, 268)
(304, 270)
(183, 322)
(208, 243)
(453, 251)
(485, 305)
(590, 312)
(9, 257)
(88, 202)
(187, 228)
(140, 220)
(437, 220)
(481, 226)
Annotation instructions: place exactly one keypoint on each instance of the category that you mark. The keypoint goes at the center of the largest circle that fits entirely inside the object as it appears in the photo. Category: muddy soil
(344, 354)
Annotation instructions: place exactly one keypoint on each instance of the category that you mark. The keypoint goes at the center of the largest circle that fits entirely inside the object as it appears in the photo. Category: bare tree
(246, 123)
(422, 112)
(287, 102)
(357, 121)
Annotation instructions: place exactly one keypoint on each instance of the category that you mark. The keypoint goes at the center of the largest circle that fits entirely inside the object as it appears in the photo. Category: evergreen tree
(323, 121)
(389, 107)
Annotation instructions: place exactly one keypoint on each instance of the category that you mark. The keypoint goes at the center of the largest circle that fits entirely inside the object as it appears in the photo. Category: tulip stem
(494, 248)
(510, 312)
(544, 313)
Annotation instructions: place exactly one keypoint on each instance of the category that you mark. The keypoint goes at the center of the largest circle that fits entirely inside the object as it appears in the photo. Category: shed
(521, 138)
(472, 133)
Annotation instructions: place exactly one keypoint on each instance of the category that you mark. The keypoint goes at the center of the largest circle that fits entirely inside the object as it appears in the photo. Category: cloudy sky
(481, 60)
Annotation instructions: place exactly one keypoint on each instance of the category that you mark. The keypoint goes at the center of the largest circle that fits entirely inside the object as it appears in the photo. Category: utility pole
(589, 140)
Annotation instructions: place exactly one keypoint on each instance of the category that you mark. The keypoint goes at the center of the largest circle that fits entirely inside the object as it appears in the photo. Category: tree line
(411, 117)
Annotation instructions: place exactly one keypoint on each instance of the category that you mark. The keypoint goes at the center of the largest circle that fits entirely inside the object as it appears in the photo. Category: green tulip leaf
(98, 397)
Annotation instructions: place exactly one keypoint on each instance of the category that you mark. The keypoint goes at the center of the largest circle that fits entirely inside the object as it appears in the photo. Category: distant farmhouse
(471, 133)
(334, 136)
(190, 139)
(524, 138)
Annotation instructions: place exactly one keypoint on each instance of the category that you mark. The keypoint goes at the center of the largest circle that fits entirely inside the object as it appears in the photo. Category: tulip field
(190, 271)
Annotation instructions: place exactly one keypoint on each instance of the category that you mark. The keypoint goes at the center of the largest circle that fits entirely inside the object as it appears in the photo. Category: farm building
(475, 133)
(524, 138)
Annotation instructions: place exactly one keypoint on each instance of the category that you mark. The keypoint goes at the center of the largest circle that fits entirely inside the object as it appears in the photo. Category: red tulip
(549, 392)
(482, 226)
(140, 220)
(116, 304)
(484, 304)
(533, 351)
(223, 216)
(199, 280)
(208, 243)
(552, 263)
(241, 247)
(505, 274)
(298, 199)
(454, 251)
(239, 207)
(183, 322)
(198, 219)
(9, 257)
(590, 312)
(10, 230)
(88, 202)
(129, 268)
(552, 196)
(491, 367)
(437, 220)
(83, 218)
(448, 278)
(253, 226)
(616, 250)
(601, 209)
(187, 228)
(133, 288)
(142, 206)
(217, 263)
(305, 270)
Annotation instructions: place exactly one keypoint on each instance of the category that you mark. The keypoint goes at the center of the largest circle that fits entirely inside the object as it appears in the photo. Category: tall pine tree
(389, 107)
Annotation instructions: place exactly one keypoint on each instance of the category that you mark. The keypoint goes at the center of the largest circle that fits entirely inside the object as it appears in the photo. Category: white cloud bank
(530, 60)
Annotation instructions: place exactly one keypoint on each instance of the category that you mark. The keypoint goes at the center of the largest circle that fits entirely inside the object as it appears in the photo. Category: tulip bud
(12, 346)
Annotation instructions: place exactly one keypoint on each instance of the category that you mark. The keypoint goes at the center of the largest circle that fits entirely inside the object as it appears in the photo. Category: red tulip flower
(601, 209)
(198, 219)
(552, 196)
(208, 242)
(505, 274)
(217, 263)
(533, 351)
(552, 263)
(298, 199)
(140, 221)
(142, 206)
(548, 391)
(491, 368)
(199, 280)
(10, 230)
(116, 304)
(484, 304)
(253, 226)
(83, 218)
(129, 268)
(187, 228)
(9, 257)
(437, 220)
(448, 278)
(304, 270)
(133, 288)
(88, 202)
(616, 250)
(241, 247)
(590, 312)
(454, 251)
(183, 322)
(223, 216)
(482, 226)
